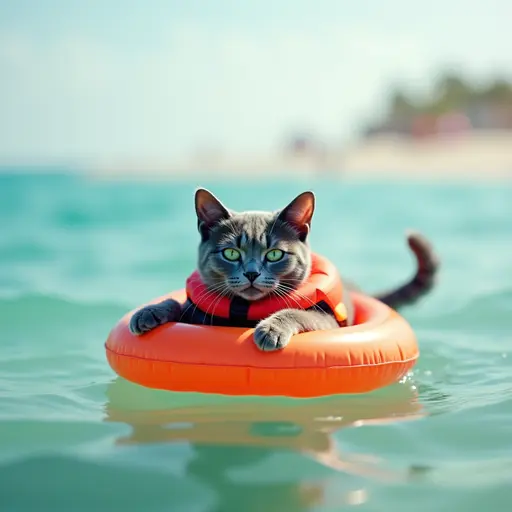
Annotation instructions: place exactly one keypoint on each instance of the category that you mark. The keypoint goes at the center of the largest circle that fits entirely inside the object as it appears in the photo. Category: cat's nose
(252, 276)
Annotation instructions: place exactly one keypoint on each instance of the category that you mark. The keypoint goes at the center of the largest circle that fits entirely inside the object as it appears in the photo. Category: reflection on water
(228, 434)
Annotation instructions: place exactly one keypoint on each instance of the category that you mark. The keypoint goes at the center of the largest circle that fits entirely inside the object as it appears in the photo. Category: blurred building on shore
(455, 107)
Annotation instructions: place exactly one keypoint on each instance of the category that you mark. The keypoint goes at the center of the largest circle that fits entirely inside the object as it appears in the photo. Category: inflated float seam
(385, 363)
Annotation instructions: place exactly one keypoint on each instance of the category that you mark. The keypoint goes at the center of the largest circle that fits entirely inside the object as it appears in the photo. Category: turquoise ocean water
(75, 255)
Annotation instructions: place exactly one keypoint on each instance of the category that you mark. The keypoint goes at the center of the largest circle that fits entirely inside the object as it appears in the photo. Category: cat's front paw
(149, 317)
(271, 335)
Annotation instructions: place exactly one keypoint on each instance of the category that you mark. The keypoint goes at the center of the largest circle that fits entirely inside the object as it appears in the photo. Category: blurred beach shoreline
(485, 155)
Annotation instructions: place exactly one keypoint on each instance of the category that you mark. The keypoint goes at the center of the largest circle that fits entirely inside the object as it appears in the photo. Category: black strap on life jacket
(238, 312)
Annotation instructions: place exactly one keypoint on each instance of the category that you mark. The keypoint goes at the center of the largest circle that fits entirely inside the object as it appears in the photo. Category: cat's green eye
(274, 255)
(231, 254)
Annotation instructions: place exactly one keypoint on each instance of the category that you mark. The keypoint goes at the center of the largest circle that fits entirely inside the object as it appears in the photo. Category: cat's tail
(423, 281)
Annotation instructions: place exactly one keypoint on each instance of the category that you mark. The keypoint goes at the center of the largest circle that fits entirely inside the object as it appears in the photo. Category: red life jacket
(322, 291)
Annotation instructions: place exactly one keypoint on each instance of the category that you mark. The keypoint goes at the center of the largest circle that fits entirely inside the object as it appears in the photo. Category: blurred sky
(107, 79)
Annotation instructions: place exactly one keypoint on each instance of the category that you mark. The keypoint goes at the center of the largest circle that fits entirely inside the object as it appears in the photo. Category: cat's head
(253, 254)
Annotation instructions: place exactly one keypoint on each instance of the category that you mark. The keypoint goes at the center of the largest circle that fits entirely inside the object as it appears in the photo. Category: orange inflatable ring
(375, 352)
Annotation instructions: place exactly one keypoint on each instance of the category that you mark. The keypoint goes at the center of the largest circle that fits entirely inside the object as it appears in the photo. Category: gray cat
(251, 255)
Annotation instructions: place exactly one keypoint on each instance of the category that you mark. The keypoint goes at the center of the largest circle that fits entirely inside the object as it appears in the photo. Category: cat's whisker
(195, 287)
(288, 290)
(210, 291)
(215, 303)
(293, 290)
(292, 280)
(215, 298)
(285, 298)
(215, 307)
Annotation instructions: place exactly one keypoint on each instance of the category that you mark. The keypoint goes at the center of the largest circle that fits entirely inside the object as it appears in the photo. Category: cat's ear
(209, 209)
(299, 213)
